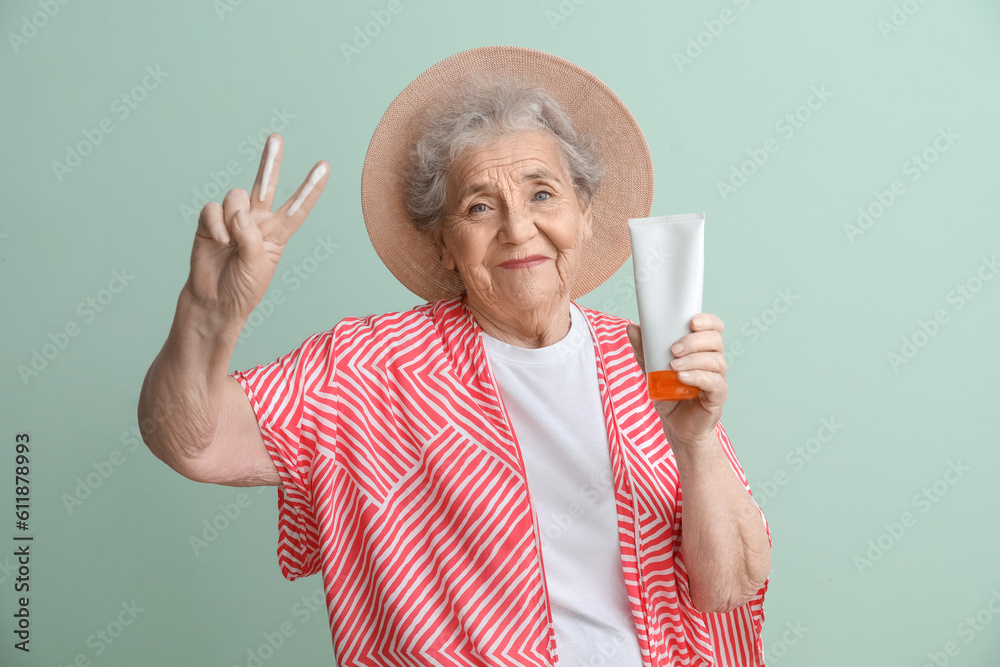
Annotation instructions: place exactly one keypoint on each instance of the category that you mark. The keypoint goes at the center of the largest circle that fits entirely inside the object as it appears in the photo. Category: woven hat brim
(625, 192)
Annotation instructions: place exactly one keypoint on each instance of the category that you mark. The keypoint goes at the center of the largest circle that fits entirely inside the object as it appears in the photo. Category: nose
(517, 226)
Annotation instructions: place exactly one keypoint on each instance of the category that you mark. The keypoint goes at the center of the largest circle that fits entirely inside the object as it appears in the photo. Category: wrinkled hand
(700, 363)
(239, 242)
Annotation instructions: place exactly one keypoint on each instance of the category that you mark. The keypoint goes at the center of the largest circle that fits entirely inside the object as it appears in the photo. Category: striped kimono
(403, 483)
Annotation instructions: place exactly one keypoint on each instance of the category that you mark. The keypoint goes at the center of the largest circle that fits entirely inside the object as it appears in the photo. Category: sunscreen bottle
(668, 258)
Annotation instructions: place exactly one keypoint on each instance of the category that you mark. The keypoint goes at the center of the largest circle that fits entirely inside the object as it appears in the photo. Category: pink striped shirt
(402, 481)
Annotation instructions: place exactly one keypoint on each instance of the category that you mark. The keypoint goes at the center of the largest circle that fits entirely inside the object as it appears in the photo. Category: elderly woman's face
(513, 225)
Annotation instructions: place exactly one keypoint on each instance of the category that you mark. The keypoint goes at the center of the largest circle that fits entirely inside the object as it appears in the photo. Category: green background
(889, 90)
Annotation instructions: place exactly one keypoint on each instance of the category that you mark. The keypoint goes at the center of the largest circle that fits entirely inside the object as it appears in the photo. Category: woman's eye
(478, 208)
(542, 195)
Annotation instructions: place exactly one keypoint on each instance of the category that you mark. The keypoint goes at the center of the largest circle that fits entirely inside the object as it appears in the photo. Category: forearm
(724, 543)
(180, 401)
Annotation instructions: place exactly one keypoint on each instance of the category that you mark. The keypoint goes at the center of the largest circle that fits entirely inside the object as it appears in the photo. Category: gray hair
(476, 115)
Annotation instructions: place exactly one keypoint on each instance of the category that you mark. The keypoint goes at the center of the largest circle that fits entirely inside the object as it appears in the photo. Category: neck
(531, 328)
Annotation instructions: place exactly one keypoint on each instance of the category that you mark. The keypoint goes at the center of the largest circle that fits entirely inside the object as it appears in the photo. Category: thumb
(635, 337)
(249, 240)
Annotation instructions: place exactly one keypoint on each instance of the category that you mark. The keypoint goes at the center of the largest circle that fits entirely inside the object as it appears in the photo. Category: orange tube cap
(664, 386)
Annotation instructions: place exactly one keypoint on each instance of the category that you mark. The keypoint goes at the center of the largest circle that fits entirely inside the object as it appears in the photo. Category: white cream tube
(668, 258)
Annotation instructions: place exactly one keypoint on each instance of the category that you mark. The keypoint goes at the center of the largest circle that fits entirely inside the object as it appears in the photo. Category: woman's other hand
(699, 361)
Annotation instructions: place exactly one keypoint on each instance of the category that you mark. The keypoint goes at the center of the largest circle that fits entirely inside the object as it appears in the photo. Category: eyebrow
(533, 175)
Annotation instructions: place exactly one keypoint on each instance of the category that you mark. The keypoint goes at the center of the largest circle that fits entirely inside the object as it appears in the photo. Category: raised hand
(700, 361)
(238, 243)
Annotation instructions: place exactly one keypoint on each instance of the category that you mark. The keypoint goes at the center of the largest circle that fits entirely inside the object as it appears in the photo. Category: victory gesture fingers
(279, 228)
(238, 244)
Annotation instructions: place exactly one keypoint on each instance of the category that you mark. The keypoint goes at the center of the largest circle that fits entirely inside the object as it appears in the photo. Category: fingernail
(315, 177)
(697, 321)
(677, 348)
(265, 181)
(242, 219)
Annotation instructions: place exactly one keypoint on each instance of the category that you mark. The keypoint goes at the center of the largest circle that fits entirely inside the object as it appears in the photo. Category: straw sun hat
(625, 192)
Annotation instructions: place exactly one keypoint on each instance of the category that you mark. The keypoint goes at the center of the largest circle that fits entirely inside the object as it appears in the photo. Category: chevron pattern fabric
(403, 483)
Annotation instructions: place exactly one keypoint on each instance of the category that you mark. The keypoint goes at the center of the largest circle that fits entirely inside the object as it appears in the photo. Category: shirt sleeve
(281, 395)
(736, 635)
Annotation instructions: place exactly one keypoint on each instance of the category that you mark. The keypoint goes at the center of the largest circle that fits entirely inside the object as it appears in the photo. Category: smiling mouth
(526, 263)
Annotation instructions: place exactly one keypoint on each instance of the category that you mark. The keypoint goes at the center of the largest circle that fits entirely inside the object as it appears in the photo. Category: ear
(588, 224)
(447, 259)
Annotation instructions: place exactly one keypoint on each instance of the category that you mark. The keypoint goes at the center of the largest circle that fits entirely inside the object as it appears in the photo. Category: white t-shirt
(554, 402)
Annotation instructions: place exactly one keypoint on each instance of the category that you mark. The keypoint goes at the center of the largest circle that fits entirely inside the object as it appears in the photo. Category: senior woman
(482, 479)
